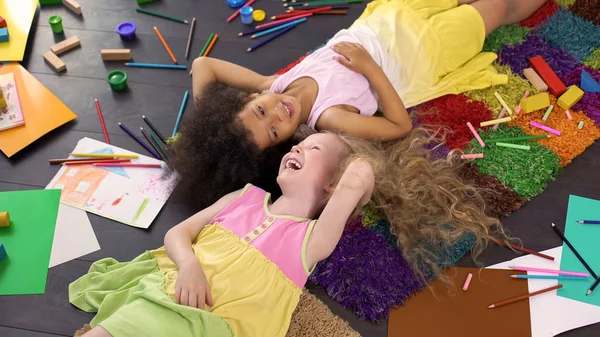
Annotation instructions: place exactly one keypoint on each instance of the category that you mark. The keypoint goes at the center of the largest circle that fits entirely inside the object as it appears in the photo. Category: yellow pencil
(105, 155)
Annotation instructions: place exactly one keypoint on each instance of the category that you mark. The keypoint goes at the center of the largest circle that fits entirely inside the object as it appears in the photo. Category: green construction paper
(28, 240)
(585, 239)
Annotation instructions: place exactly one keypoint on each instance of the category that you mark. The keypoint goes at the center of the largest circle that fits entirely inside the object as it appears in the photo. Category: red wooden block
(555, 85)
(2, 22)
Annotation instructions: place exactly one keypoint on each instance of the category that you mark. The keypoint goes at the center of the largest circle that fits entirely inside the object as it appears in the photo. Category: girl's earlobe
(251, 97)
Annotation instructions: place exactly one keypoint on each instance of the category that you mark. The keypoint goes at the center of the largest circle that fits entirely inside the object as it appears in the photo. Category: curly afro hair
(214, 153)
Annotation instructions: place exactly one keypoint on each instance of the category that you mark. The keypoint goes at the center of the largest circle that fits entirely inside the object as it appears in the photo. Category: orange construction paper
(42, 110)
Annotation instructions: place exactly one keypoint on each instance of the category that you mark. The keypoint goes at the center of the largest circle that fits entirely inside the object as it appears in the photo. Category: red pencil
(128, 165)
(96, 161)
(524, 250)
(279, 22)
(102, 121)
(236, 13)
(296, 12)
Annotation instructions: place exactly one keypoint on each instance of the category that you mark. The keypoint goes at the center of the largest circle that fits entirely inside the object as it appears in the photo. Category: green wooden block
(50, 2)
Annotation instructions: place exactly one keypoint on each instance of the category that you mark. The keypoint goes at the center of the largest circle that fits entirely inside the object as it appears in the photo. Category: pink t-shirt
(281, 239)
(337, 84)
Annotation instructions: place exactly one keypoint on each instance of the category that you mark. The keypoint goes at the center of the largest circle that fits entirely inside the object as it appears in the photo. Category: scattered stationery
(36, 100)
(12, 115)
(465, 311)
(131, 196)
(28, 241)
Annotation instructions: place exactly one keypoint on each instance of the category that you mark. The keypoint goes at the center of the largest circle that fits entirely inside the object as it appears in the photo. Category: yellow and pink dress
(254, 262)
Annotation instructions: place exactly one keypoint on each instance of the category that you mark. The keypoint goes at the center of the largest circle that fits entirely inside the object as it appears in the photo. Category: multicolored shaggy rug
(366, 273)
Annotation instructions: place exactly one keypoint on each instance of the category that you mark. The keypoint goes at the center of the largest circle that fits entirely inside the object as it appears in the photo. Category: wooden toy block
(535, 102)
(555, 85)
(54, 61)
(116, 54)
(4, 219)
(50, 2)
(73, 6)
(66, 45)
(535, 79)
(588, 83)
(2, 22)
(2, 252)
(4, 35)
(570, 97)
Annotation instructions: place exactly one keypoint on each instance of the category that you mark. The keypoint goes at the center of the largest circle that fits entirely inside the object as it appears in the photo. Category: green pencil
(145, 11)
(515, 139)
(210, 38)
(162, 150)
(321, 2)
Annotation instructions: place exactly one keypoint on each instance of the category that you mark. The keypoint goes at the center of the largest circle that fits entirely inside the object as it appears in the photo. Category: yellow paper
(18, 15)
(43, 112)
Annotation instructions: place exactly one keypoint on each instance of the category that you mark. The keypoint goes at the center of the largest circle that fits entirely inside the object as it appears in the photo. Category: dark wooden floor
(157, 94)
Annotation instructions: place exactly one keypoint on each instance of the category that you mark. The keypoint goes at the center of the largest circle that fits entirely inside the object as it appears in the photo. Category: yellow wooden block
(570, 97)
(535, 102)
(4, 219)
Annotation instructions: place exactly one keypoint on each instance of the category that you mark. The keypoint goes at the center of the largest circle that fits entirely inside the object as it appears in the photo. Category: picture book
(10, 116)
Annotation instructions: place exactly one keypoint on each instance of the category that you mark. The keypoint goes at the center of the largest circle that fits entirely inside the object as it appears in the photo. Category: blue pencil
(155, 65)
(590, 222)
(337, 5)
(185, 98)
(549, 277)
(276, 28)
(154, 154)
(270, 38)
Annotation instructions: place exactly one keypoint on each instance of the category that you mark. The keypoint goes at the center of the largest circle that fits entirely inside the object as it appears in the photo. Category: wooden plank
(116, 54)
(66, 45)
(535, 79)
(54, 61)
(73, 6)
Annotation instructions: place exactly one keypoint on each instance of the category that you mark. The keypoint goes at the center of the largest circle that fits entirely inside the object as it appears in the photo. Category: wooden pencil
(190, 35)
(282, 21)
(127, 165)
(163, 151)
(162, 138)
(65, 160)
(102, 121)
(270, 38)
(524, 250)
(593, 286)
(145, 11)
(210, 46)
(562, 236)
(210, 38)
(332, 12)
(333, 6)
(96, 161)
(523, 297)
(277, 28)
(149, 139)
(293, 13)
(149, 149)
(104, 155)
(160, 37)
(237, 12)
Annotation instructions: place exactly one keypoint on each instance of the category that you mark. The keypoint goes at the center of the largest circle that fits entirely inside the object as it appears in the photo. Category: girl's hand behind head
(359, 175)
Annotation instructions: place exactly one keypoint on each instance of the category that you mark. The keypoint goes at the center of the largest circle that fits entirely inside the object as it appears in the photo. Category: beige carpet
(311, 318)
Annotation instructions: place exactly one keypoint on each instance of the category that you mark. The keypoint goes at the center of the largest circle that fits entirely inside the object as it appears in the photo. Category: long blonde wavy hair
(426, 204)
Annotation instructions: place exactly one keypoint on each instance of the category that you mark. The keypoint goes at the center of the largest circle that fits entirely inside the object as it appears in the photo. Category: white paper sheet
(552, 314)
(73, 236)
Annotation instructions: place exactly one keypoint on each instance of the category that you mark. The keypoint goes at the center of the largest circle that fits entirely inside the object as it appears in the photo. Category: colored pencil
(181, 109)
(149, 149)
(523, 297)
(287, 15)
(128, 165)
(104, 155)
(210, 38)
(593, 286)
(333, 6)
(210, 46)
(319, 3)
(102, 121)
(190, 35)
(89, 162)
(548, 277)
(237, 12)
(524, 250)
(160, 37)
(162, 138)
(551, 271)
(161, 149)
(65, 160)
(279, 22)
(270, 38)
(590, 222)
(278, 28)
(145, 11)
(515, 139)
(149, 139)
(155, 65)
(562, 236)
(332, 12)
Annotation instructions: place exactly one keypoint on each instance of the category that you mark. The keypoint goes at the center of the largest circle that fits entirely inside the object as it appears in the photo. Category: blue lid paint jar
(246, 15)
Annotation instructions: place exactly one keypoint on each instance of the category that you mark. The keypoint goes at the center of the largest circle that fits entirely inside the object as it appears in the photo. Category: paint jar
(55, 22)
(246, 15)
(126, 31)
(235, 3)
(117, 80)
